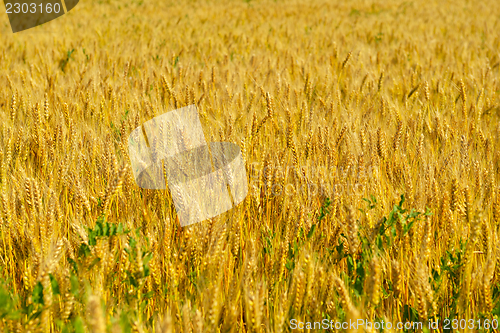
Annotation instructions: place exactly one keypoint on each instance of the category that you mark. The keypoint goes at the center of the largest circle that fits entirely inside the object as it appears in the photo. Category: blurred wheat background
(370, 133)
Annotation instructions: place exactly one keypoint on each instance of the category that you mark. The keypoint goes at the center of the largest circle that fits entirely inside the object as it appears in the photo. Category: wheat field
(370, 132)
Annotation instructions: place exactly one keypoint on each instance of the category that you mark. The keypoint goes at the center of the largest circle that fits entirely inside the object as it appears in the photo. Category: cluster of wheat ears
(399, 98)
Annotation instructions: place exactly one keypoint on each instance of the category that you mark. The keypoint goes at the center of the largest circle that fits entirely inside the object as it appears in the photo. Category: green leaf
(401, 202)
(54, 284)
(84, 250)
(379, 242)
(311, 232)
(79, 328)
(324, 209)
(112, 230)
(350, 264)
(94, 262)
(75, 285)
(7, 305)
(38, 293)
(145, 263)
(105, 229)
(133, 281)
(73, 264)
(125, 323)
